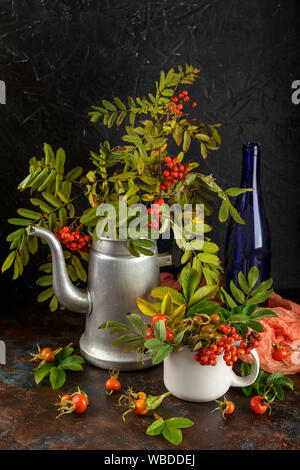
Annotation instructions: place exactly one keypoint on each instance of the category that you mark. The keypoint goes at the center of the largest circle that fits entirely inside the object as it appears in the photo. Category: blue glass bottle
(249, 244)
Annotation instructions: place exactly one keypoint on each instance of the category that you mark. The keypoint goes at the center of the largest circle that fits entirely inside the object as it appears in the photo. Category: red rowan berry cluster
(225, 347)
(154, 213)
(174, 172)
(73, 240)
(177, 102)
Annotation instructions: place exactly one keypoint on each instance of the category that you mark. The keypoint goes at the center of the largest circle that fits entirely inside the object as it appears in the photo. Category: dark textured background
(59, 57)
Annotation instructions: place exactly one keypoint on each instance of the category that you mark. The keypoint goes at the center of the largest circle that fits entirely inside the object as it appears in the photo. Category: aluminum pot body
(187, 380)
(115, 280)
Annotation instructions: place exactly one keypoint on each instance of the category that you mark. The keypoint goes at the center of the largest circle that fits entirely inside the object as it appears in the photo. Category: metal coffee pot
(115, 280)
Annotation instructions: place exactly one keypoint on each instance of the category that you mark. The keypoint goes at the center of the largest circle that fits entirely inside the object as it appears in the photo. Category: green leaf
(249, 309)
(146, 307)
(120, 103)
(186, 141)
(63, 197)
(167, 304)
(255, 325)
(188, 279)
(19, 221)
(162, 354)
(277, 388)
(44, 281)
(49, 155)
(209, 258)
(128, 338)
(264, 286)
(9, 261)
(114, 324)
(134, 345)
(237, 293)
(155, 344)
(155, 429)
(153, 402)
(179, 422)
(263, 314)
(15, 235)
(72, 362)
(235, 215)
(144, 251)
(52, 222)
(172, 435)
(224, 211)
(65, 352)
(282, 380)
(227, 298)
(234, 192)
(260, 298)
(53, 305)
(243, 283)
(137, 322)
(41, 204)
(42, 372)
(80, 271)
(159, 328)
(203, 293)
(253, 276)
(33, 244)
(74, 174)
(45, 295)
(203, 307)
(160, 292)
(143, 243)
(108, 105)
(88, 215)
(57, 378)
(29, 214)
(60, 160)
(51, 199)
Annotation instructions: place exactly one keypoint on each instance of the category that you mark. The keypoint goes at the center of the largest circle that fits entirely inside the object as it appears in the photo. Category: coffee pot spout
(75, 299)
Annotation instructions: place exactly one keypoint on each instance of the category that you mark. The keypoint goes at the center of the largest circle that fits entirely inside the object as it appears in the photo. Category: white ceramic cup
(188, 380)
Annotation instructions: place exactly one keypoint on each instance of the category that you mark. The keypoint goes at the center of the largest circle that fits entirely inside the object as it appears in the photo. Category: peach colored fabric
(283, 329)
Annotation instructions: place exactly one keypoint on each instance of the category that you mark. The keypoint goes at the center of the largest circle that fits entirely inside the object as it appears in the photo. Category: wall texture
(59, 57)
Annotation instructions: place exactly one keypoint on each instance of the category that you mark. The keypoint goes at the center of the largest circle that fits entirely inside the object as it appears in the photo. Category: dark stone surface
(60, 57)
(27, 411)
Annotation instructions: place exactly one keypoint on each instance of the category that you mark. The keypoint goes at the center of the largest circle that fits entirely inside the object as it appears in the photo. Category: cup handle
(238, 381)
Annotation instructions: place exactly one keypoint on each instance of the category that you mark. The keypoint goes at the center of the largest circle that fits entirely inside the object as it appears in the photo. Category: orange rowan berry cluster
(177, 102)
(73, 240)
(174, 172)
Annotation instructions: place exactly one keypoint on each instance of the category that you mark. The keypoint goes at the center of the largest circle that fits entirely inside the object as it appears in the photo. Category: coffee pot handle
(238, 381)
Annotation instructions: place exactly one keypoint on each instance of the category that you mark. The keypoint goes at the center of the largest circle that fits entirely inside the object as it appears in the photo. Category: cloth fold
(283, 329)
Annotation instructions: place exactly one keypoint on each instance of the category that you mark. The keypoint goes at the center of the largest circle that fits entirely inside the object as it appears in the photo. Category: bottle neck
(251, 165)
